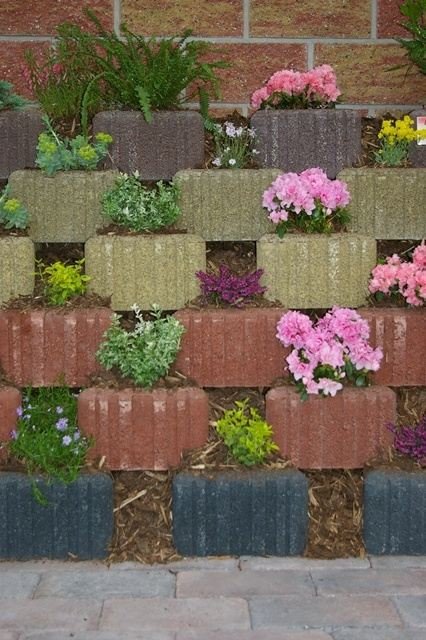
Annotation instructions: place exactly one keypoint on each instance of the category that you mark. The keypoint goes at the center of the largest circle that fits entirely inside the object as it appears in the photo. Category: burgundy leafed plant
(230, 287)
(411, 440)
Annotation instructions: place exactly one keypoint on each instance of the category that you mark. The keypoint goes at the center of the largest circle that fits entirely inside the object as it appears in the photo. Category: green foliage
(57, 154)
(62, 281)
(8, 99)
(13, 215)
(234, 145)
(146, 353)
(46, 438)
(248, 437)
(415, 23)
(136, 207)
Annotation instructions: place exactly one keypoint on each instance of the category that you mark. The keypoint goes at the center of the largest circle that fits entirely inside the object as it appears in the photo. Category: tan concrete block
(17, 258)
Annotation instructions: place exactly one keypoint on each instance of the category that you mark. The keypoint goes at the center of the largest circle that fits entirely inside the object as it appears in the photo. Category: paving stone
(18, 585)
(398, 562)
(50, 614)
(378, 634)
(44, 564)
(104, 635)
(9, 635)
(161, 613)
(306, 564)
(253, 635)
(348, 582)
(205, 584)
(102, 585)
(412, 610)
(186, 564)
(289, 611)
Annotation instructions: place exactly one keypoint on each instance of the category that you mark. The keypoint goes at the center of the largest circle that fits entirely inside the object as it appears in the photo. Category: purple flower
(66, 440)
(62, 424)
(59, 410)
(76, 436)
(230, 287)
(411, 440)
(14, 434)
(19, 412)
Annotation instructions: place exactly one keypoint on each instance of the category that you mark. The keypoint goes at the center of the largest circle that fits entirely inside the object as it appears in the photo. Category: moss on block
(16, 267)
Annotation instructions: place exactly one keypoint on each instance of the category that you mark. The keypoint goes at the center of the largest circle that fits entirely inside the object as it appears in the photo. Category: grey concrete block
(413, 610)
(174, 140)
(257, 512)
(385, 633)
(77, 519)
(387, 203)
(375, 582)
(395, 512)
(65, 207)
(306, 271)
(145, 269)
(17, 260)
(17, 585)
(50, 614)
(295, 140)
(225, 204)
(19, 131)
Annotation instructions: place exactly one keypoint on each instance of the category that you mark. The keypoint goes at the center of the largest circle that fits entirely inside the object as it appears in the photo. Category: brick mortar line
(246, 19)
(373, 14)
(116, 16)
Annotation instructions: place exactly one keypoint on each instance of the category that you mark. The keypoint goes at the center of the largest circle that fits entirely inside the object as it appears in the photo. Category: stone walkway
(379, 598)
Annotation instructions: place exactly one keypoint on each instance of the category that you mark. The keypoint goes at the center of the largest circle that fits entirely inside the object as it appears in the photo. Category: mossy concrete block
(19, 131)
(145, 269)
(65, 207)
(306, 271)
(387, 203)
(17, 264)
(225, 204)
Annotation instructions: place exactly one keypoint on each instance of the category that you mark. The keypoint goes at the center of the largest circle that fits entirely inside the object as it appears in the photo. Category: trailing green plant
(62, 281)
(46, 439)
(146, 353)
(134, 206)
(13, 214)
(9, 99)
(247, 436)
(414, 12)
(62, 154)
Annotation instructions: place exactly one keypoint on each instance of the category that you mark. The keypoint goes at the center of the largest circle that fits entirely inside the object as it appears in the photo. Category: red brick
(41, 18)
(10, 400)
(331, 433)
(388, 19)
(12, 63)
(50, 347)
(364, 76)
(401, 333)
(332, 18)
(231, 347)
(168, 17)
(138, 429)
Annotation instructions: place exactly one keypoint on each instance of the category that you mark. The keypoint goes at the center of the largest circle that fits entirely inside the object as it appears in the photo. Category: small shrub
(62, 281)
(395, 137)
(146, 353)
(234, 146)
(13, 215)
(414, 12)
(8, 99)
(229, 287)
(136, 207)
(247, 436)
(411, 440)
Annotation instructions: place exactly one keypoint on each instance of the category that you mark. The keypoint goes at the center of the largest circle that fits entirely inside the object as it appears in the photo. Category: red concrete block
(138, 429)
(401, 333)
(10, 400)
(51, 347)
(231, 347)
(331, 433)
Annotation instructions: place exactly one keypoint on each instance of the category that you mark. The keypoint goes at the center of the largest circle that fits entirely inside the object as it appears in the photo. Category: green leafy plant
(248, 437)
(136, 207)
(62, 154)
(395, 137)
(234, 145)
(9, 99)
(46, 439)
(146, 353)
(415, 23)
(13, 215)
(62, 281)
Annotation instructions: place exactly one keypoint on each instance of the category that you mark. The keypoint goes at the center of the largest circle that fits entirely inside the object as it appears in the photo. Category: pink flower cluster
(336, 347)
(405, 278)
(293, 193)
(316, 85)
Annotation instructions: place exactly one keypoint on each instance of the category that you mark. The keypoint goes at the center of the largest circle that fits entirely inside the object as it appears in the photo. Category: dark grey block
(240, 513)
(77, 520)
(417, 152)
(174, 140)
(395, 512)
(295, 140)
(19, 131)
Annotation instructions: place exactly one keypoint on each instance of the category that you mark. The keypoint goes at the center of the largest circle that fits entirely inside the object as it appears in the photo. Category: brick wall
(257, 36)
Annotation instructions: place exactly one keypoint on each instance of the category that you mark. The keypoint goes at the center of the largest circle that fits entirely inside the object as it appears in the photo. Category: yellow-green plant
(62, 281)
(13, 215)
(395, 138)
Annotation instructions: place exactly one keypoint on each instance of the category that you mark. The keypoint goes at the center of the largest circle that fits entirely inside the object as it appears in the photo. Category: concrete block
(17, 260)
(19, 131)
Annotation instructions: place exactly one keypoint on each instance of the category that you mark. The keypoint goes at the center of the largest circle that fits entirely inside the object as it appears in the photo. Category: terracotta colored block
(295, 140)
(168, 17)
(145, 269)
(65, 207)
(331, 433)
(364, 76)
(137, 429)
(231, 347)
(48, 347)
(174, 140)
(17, 258)
(310, 18)
(401, 334)
(225, 204)
(307, 271)
(42, 17)
(417, 152)
(10, 400)
(388, 19)
(19, 132)
(387, 203)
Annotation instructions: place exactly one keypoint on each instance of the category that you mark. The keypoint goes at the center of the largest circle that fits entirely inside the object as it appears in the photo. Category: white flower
(216, 162)
(232, 161)
(230, 130)
(239, 132)
(255, 152)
